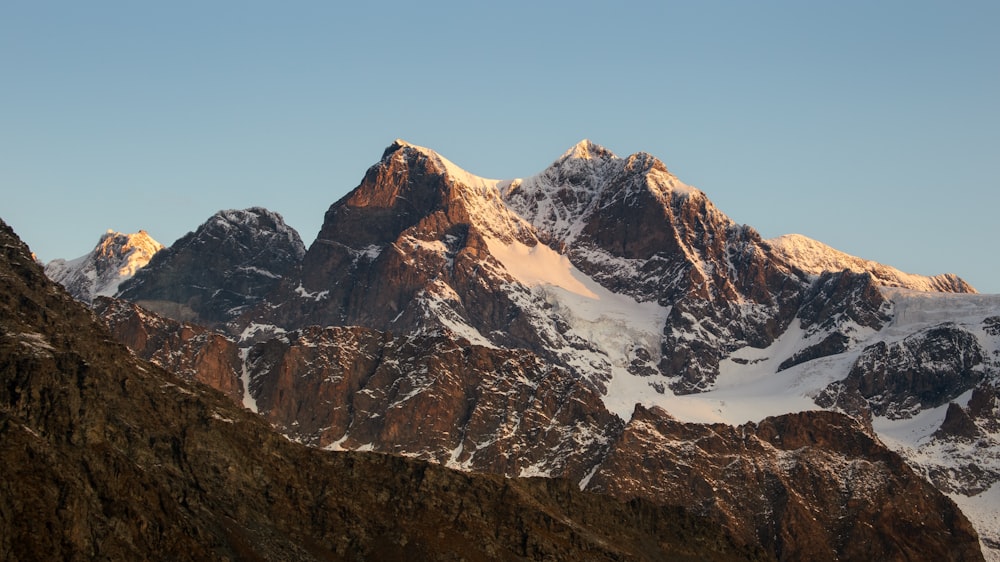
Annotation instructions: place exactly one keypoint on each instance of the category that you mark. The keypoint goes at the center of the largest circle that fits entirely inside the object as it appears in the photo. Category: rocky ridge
(815, 257)
(483, 409)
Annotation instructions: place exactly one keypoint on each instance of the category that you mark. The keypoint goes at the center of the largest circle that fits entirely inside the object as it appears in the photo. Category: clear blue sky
(871, 126)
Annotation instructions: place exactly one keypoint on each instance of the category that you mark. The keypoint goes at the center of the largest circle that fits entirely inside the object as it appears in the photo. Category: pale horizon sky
(873, 127)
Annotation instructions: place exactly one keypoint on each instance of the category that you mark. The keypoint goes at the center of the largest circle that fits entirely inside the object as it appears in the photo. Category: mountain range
(108, 457)
(605, 323)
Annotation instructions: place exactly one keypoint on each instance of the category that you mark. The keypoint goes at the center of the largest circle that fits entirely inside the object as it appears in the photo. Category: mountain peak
(587, 150)
(397, 145)
(431, 161)
(115, 259)
(246, 252)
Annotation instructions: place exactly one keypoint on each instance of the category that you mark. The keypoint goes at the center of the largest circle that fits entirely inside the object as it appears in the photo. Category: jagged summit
(257, 219)
(115, 259)
(414, 187)
(228, 263)
(815, 257)
(423, 157)
(397, 145)
(588, 179)
(587, 150)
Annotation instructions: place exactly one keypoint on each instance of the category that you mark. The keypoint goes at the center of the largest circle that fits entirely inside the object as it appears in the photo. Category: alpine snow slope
(604, 322)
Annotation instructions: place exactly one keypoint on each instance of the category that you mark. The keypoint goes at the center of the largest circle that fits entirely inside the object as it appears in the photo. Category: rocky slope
(115, 259)
(225, 266)
(808, 486)
(108, 457)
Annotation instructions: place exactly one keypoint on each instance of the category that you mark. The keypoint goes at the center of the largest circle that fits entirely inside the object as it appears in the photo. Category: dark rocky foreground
(107, 457)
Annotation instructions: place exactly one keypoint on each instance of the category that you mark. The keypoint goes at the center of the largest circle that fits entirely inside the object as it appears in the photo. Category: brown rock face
(500, 411)
(808, 486)
(109, 457)
(188, 350)
(393, 248)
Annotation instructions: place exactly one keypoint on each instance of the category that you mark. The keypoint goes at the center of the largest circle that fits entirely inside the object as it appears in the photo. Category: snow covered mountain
(815, 257)
(115, 259)
(590, 322)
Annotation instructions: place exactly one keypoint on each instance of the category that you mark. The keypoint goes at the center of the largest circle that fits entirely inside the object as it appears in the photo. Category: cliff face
(188, 350)
(807, 486)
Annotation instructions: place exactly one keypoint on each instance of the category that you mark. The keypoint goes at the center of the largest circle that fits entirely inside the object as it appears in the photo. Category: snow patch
(249, 402)
(538, 265)
(316, 296)
(982, 512)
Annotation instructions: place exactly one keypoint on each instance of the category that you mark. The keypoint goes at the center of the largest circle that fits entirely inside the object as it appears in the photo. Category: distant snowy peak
(115, 259)
(815, 257)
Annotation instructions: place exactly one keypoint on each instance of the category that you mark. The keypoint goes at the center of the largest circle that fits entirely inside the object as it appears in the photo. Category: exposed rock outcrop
(924, 370)
(807, 486)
